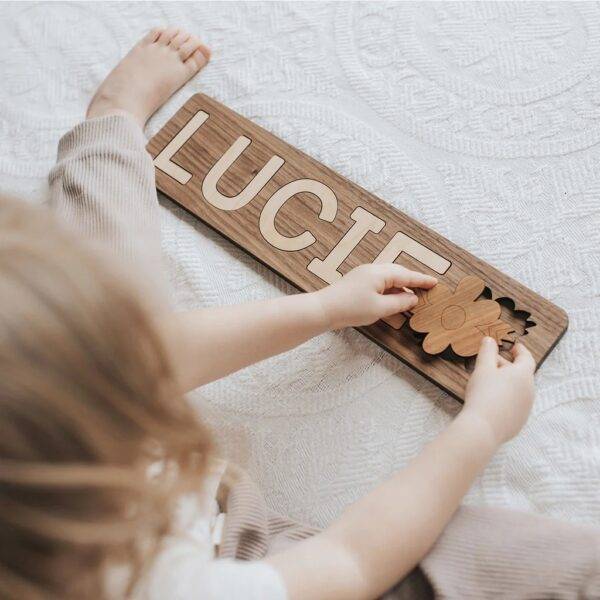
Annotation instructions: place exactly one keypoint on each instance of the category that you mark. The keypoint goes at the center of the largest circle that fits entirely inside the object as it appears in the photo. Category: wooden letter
(209, 186)
(402, 243)
(327, 269)
(163, 159)
(280, 197)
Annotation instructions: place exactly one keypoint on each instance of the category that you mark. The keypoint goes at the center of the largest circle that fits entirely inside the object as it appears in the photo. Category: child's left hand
(369, 293)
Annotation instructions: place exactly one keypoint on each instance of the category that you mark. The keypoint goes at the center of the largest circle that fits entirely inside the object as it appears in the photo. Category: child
(107, 484)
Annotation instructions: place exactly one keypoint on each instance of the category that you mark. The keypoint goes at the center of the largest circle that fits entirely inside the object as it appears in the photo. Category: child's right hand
(371, 292)
(500, 393)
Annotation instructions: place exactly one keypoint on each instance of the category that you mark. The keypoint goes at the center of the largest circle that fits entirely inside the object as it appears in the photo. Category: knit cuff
(112, 131)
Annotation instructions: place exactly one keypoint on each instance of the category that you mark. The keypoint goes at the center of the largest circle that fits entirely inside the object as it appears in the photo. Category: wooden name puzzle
(311, 226)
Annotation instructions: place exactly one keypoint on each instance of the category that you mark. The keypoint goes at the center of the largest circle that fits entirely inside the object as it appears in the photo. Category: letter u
(209, 185)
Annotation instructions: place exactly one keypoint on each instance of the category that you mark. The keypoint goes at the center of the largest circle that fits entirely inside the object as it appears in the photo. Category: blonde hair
(88, 402)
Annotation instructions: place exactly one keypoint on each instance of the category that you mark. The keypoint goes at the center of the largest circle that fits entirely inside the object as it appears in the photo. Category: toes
(198, 59)
(179, 40)
(190, 46)
(205, 51)
(152, 35)
(167, 35)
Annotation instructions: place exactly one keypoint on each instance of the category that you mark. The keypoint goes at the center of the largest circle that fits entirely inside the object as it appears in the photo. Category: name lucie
(326, 269)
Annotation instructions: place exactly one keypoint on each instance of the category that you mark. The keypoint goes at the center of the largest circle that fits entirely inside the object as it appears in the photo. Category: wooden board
(311, 225)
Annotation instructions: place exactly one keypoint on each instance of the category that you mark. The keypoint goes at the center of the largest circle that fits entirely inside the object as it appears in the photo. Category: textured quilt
(481, 120)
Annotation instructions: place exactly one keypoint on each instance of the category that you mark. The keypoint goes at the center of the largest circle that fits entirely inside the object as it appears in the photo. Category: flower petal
(429, 308)
(427, 318)
(466, 340)
(482, 312)
(436, 342)
(469, 288)
(438, 293)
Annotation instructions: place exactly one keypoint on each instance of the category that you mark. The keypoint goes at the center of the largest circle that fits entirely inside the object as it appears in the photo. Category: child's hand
(371, 292)
(500, 393)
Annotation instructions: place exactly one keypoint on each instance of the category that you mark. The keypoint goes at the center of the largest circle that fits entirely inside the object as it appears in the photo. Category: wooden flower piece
(457, 319)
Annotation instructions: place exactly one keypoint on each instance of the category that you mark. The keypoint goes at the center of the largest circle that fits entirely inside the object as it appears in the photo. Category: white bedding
(481, 120)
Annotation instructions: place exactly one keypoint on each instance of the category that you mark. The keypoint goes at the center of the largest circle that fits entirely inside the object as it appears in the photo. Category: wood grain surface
(311, 225)
(458, 318)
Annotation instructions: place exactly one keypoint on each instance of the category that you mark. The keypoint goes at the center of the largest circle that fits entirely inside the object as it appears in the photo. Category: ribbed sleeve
(103, 186)
(498, 553)
(483, 554)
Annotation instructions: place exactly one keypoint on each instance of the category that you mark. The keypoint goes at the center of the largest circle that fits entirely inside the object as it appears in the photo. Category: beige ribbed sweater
(103, 186)
(484, 553)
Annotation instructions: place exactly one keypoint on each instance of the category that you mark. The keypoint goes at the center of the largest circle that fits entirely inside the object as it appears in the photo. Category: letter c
(280, 197)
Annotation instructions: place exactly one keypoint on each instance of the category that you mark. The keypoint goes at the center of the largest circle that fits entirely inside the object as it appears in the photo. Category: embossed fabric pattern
(482, 120)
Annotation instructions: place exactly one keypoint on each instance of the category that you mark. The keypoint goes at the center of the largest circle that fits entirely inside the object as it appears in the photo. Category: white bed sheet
(481, 120)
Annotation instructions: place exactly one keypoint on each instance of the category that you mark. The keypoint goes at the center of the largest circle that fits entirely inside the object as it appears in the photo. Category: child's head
(87, 403)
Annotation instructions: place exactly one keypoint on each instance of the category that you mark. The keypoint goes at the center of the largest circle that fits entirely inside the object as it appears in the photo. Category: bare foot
(155, 68)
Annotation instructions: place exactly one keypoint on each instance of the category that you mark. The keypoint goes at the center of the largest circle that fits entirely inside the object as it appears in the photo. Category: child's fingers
(395, 290)
(502, 362)
(488, 354)
(523, 357)
(398, 276)
(392, 304)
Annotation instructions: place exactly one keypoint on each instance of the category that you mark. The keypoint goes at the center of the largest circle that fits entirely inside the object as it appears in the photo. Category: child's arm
(210, 343)
(379, 539)
(103, 187)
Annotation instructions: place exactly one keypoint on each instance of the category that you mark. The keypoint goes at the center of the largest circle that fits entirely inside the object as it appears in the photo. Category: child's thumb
(488, 353)
(398, 302)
